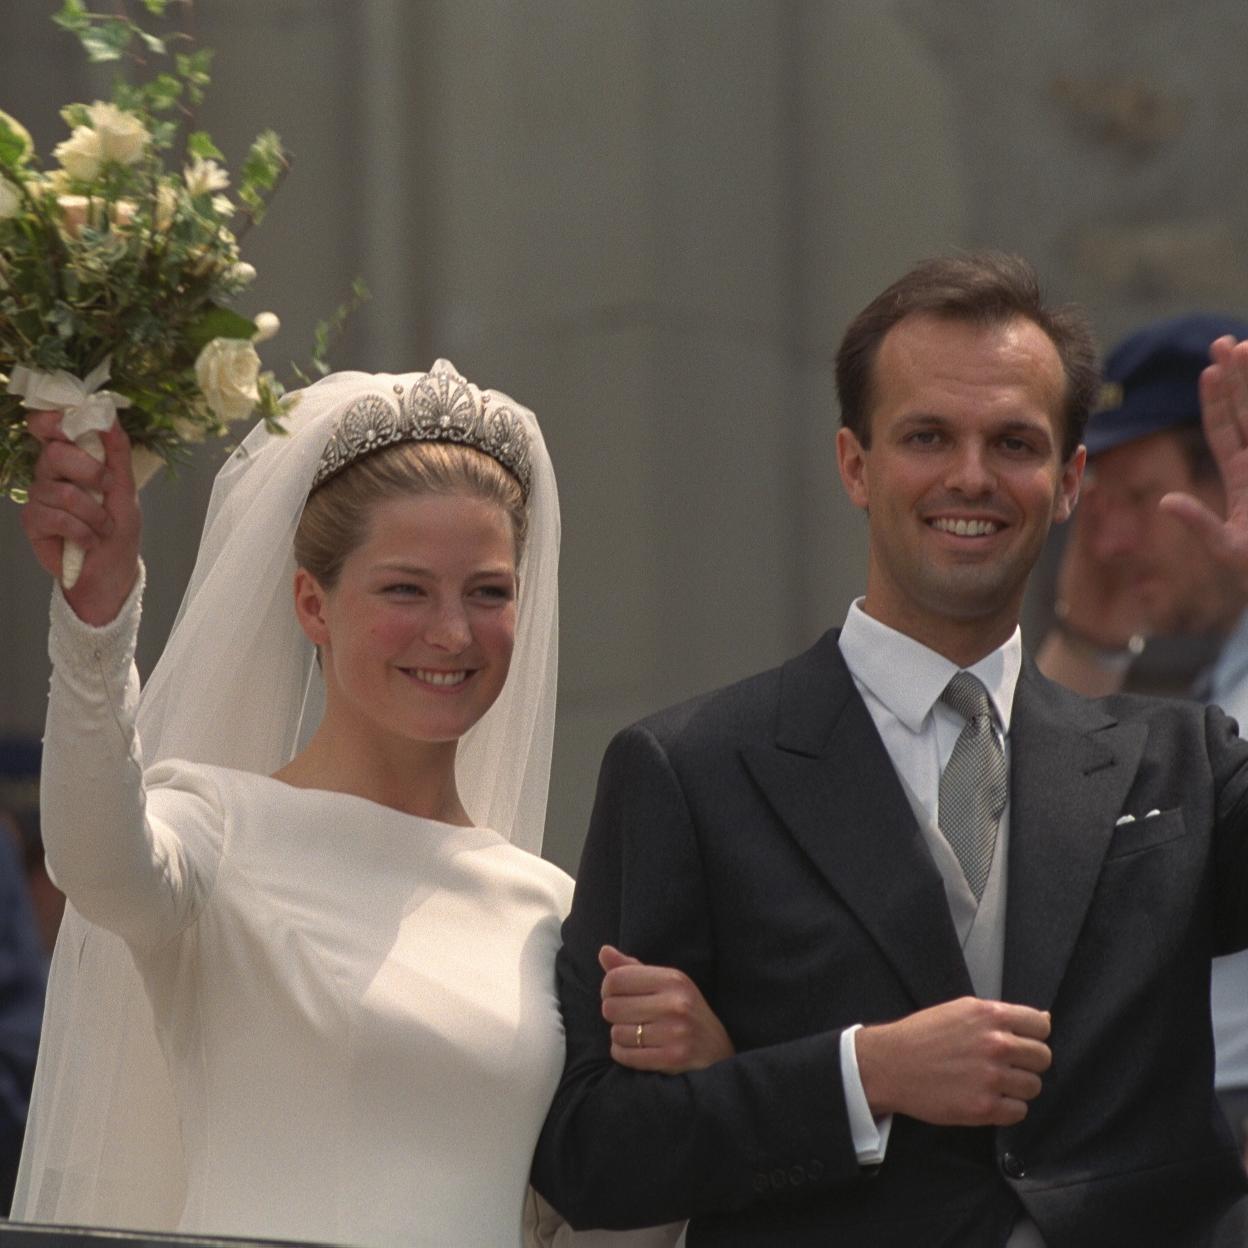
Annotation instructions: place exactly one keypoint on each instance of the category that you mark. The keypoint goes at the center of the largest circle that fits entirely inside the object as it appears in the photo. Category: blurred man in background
(1131, 570)
(22, 976)
(27, 929)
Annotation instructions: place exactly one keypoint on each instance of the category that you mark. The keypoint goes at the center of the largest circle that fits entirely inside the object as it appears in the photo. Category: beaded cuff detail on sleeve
(80, 649)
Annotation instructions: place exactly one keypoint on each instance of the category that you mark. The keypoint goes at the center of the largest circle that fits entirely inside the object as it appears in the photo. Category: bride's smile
(438, 679)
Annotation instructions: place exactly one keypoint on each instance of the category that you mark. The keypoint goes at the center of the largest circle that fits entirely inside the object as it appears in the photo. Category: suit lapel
(830, 781)
(1070, 769)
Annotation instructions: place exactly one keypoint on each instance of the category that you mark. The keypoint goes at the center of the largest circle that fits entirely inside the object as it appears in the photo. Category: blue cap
(1152, 379)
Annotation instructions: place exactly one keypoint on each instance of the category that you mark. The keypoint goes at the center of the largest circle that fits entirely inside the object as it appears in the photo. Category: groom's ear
(310, 600)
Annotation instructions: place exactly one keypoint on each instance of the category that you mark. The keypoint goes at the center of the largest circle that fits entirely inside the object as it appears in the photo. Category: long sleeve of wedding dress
(134, 875)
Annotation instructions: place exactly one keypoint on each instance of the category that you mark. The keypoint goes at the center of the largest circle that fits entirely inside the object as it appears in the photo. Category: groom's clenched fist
(967, 1063)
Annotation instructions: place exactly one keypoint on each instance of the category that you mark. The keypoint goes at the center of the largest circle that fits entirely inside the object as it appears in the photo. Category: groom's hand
(659, 1019)
(965, 1063)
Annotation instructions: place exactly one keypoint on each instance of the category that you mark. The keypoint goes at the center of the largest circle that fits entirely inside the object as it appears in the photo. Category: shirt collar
(908, 678)
(1229, 667)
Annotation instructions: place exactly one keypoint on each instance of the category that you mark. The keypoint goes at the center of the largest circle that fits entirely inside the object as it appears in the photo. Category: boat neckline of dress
(334, 793)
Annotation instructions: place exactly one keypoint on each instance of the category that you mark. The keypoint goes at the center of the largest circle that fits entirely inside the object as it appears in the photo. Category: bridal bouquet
(118, 266)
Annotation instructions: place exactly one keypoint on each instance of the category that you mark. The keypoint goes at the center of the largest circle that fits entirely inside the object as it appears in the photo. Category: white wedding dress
(356, 1008)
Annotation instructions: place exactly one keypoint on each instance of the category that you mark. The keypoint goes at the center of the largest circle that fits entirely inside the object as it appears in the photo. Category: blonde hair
(336, 516)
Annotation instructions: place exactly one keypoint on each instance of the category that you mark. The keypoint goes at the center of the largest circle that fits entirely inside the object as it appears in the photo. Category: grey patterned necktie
(973, 785)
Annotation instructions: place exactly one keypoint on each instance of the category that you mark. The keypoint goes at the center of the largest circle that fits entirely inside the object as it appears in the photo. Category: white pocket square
(1152, 814)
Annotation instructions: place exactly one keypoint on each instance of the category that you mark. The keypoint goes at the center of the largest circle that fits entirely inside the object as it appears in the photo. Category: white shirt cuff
(870, 1135)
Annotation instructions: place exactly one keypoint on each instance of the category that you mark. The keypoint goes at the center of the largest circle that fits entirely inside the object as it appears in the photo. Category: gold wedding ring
(641, 1035)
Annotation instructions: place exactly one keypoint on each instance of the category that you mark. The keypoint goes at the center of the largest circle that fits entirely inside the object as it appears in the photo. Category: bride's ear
(310, 600)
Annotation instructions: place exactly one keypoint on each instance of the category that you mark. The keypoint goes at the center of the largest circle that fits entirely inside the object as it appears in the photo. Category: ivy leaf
(14, 143)
(153, 43)
(62, 316)
(156, 7)
(128, 98)
(72, 17)
(107, 41)
(266, 162)
(163, 133)
(74, 115)
(217, 322)
(163, 92)
(200, 144)
(326, 331)
(193, 68)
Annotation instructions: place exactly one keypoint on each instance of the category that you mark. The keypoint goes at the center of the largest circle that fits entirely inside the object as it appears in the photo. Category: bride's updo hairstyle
(336, 518)
(442, 435)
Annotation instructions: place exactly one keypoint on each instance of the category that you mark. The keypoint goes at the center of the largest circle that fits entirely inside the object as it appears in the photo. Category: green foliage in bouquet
(127, 251)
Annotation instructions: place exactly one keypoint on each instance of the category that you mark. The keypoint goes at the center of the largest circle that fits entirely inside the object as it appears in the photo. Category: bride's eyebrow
(407, 569)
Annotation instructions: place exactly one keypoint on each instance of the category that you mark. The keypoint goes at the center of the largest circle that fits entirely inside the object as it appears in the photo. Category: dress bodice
(361, 1022)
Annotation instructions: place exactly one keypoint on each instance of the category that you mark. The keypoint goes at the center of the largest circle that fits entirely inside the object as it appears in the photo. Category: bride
(305, 987)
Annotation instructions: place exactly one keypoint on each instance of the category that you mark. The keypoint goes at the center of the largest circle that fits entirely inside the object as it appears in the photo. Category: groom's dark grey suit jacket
(759, 839)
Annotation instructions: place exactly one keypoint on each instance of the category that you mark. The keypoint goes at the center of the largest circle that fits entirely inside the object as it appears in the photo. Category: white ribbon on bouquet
(87, 411)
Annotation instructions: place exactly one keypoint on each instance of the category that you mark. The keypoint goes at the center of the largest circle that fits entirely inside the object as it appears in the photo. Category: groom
(956, 920)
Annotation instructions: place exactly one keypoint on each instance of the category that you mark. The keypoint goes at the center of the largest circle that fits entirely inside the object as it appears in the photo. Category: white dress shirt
(901, 681)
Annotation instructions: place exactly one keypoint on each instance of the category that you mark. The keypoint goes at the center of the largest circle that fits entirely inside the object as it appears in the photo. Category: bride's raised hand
(62, 504)
(659, 1018)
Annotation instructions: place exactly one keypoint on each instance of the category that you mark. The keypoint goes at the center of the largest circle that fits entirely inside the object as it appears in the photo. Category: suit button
(1012, 1165)
(814, 1168)
(797, 1175)
(760, 1183)
(778, 1178)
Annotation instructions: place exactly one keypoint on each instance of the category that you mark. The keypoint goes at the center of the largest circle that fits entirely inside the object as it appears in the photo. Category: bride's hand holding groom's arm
(659, 1019)
(62, 505)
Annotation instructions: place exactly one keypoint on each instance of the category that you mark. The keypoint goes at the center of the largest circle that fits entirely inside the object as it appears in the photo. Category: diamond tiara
(441, 407)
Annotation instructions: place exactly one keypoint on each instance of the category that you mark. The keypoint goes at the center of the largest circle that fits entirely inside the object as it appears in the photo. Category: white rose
(226, 372)
(242, 272)
(55, 183)
(203, 177)
(80, 154)
(122, 214)
(76, 211)
(166, 206)
(123, 137)
(267, 326)
(10, 200)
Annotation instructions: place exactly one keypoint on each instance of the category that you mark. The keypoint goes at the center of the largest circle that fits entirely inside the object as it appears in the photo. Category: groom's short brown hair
(985, 288)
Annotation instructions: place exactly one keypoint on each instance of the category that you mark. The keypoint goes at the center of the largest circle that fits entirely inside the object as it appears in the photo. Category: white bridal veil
(232, 688)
